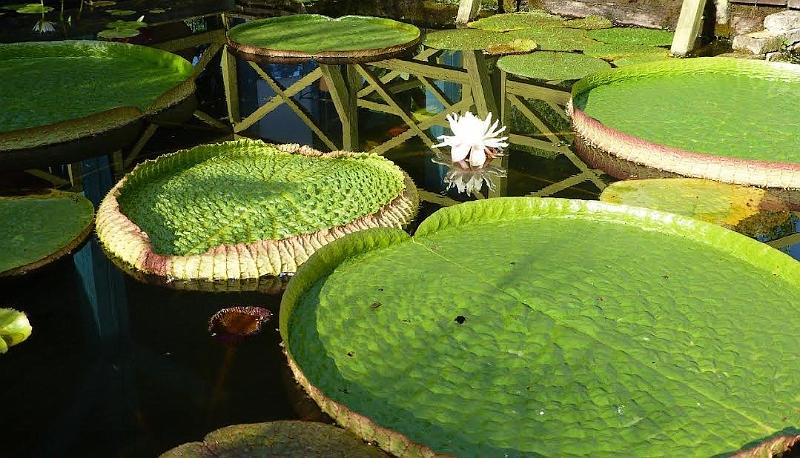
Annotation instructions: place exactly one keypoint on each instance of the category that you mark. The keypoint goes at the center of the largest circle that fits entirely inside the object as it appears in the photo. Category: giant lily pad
(245, 210)
(57, 92)
(518, 21)
(551, 66)
(589, 23)
(14, 328)
(277, 439)
(751, 211)
(626, 54)
(38, 229)
(714, 118)
(313, 36)
(587, 329)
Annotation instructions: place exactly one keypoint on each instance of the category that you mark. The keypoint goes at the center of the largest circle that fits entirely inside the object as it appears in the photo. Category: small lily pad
(589, 23)
(752, 211)
(13, 6)
(552, 66)
(278, 439)
(111, 34)
(37, 229)
(157, 10)
(121, 12)
(515, 46)
(465, 39)
(556, 39)
(121, 25)
(518, 21)
(633, 36)
(14, 328)
(102, 3)
(34, 8)
(626, 53)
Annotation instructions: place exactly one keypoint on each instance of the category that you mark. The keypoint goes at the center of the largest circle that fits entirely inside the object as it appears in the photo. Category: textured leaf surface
(626, 54)
(721, 106)
(633, 36)
(517, 21)
(552, 66)
(719, 203)
(38, 227)
(14, 328)
(314, 33)
(586, 329)
(242, 192)
(589, 23)
(278, 439)
(46, 83)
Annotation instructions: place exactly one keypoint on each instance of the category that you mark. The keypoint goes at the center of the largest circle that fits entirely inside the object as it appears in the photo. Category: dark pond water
(119, 368)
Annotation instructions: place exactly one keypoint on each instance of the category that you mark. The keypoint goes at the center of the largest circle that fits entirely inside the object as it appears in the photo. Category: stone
(778, 56)
(758, 42)
(793, 4)
(643, 13)
(783, 21)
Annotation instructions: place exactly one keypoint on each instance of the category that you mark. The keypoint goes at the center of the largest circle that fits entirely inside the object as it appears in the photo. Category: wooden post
(480, 83)
(467, 10)
(688, 27)
(340, 84)
(229, 81)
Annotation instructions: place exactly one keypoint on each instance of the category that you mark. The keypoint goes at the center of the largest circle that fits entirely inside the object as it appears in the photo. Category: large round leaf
(313, 36)
(244, 210)
(586, 329)
(551, 66)
(277, 439)
(60, 91)
(40, 228)
(715, 118)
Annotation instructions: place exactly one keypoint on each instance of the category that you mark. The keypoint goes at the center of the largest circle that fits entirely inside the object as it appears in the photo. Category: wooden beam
(276, 101)
(688, 27)
(231, 84)
(467, 10)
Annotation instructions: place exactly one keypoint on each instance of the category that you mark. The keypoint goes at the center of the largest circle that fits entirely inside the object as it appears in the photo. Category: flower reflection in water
(474, 145)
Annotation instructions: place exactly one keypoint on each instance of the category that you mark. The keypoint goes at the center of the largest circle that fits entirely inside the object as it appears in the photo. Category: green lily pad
(14, 328)
(589, 23)
(556, 39)
(38, 229)
(157, 10)
(111, 34)
(15, 6)
(633, 36)
(465, 39)
(121, 12)
(246, 210)
(551, 66)
(277, 439)
(626, 53)
(709, 118)
(122, 25)
(751, 211)
(587, 329)
(34, 8)
(125, 82)
(518, 21)
(317, 36)
(102, 3)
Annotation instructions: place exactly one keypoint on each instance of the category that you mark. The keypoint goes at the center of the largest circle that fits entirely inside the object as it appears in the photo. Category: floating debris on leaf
(233, 324)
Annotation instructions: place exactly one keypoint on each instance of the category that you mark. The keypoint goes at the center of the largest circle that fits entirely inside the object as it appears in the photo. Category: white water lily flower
(474, 140)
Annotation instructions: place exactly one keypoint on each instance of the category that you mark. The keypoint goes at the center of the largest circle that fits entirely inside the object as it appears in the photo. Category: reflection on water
(116, 367)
